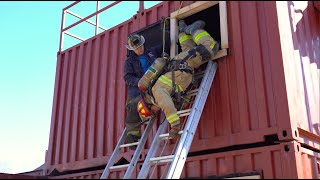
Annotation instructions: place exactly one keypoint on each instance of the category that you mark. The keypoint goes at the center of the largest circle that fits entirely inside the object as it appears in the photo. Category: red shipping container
(269, 84)
(283, 161)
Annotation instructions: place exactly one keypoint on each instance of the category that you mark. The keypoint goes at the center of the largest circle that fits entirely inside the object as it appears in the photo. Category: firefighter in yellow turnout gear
(197, 48)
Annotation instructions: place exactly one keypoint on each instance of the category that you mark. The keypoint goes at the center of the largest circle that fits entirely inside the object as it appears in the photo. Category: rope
(164, 28)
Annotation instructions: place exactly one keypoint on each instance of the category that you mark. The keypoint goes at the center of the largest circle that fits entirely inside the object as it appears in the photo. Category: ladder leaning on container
(179, 157)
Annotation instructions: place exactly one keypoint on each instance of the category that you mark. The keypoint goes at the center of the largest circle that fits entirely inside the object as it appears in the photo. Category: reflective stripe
(184, 38)
(212, 45)
(134, 132)
(200, 35)
(165, 80)
(173, 118)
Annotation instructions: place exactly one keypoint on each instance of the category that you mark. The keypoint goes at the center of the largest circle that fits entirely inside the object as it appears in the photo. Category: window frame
(193, 9)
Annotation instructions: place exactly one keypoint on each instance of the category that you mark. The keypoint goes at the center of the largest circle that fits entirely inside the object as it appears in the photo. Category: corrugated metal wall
(300, 43)
(248, 100)
(283, 161)
(89, 96)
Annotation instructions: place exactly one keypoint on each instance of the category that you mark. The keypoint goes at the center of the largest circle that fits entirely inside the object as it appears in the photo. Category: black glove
(165, 55)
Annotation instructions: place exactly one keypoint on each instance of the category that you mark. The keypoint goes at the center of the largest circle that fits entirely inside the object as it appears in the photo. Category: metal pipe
(74, 36)
(97, 18)
(88, 21)
(61, 32)
(91, 15)
(71, 5)
(141, 6)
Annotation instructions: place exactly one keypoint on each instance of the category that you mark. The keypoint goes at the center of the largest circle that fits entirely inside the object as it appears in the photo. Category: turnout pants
(162, 90)
(133, 119)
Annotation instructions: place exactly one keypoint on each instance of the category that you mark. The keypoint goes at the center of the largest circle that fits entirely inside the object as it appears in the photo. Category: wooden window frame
(193, 9)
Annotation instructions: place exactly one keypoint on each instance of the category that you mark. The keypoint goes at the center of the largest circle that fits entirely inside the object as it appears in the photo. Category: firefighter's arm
(129, 75)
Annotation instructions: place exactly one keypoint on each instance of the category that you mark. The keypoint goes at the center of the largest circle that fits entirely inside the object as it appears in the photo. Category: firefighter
(135, 66)
(197, 48)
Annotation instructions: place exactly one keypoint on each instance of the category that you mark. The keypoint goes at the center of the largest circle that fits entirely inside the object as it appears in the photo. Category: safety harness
(175, 65)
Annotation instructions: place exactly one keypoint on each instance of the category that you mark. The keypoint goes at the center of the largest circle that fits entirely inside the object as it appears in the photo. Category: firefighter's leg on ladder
(163, 87)
(133, 121)
(162, 93)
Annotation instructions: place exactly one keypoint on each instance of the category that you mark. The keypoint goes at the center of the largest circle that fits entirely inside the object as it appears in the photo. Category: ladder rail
(139, 149)
(196, 110)
(179, 157)
(182, 150)
(130, 167)
(151, 152)
(114, 155)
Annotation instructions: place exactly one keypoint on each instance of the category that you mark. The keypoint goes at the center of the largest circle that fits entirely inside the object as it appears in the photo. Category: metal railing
(63, 30)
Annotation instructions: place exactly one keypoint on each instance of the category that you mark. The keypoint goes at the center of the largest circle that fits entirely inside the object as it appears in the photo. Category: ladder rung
(193, 91)
(185, 112)
(199, 73)
(130, 144)
(166, 136)
(162, 158)
(119, 166)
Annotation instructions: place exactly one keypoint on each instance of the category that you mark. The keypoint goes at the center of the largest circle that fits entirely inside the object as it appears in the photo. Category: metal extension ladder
(130, 167)
(179, 157)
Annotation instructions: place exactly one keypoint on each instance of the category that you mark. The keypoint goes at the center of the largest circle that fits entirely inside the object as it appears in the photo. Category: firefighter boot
(191, 29)
(133, 136)
(202, 37)
(185, 40)
(182, 26)
(174, 130)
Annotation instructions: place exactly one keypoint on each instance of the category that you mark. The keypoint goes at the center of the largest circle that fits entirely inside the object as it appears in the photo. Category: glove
(165, 55)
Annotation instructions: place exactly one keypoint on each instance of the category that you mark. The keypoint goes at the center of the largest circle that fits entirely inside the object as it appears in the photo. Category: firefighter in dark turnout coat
(135, 66)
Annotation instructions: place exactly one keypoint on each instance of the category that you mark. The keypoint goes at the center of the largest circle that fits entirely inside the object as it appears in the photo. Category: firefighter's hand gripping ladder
(179, 157)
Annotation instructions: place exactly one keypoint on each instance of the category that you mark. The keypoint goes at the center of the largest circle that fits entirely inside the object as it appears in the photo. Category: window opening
(214, 13)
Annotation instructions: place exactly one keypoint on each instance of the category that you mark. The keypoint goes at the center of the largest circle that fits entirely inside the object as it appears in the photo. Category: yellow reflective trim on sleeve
(200, 35)
(173, 118)
(167, 81)
(184, 38)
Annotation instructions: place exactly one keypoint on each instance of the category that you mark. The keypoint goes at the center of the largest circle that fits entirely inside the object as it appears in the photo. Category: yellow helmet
(135, 41)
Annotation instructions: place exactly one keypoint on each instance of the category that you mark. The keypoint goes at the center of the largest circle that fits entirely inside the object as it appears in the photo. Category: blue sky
(29, 43)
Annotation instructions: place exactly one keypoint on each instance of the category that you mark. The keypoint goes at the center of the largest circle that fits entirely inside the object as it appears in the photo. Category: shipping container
(265, 89)
(282, 161)
(20, 176)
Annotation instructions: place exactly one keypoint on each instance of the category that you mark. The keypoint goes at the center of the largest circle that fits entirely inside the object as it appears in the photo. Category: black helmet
(135, 41)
